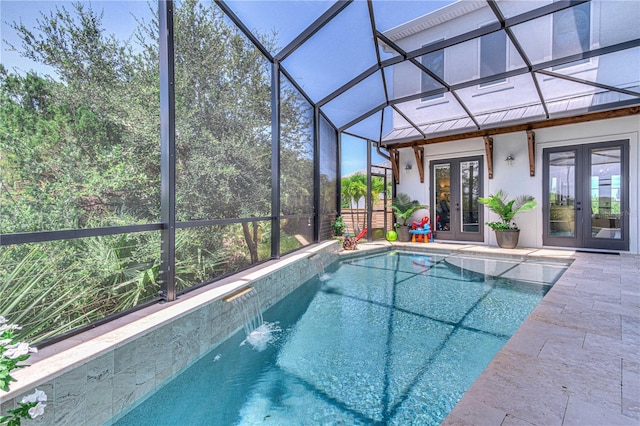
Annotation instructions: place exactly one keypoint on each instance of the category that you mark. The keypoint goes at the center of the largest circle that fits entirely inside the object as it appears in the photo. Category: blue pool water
(390, 339)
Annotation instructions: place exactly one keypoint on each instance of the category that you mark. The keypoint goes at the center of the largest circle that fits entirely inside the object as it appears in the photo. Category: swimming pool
(395, 338)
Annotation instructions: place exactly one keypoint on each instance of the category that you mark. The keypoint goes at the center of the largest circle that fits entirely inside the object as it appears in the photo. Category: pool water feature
(395, 338)
(247, 301)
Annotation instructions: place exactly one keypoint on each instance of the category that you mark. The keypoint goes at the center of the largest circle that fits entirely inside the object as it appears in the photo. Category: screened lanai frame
(318, 217)
(515, 26)
(331, 118)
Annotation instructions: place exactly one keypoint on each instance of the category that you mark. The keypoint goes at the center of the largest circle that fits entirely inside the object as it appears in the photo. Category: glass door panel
(442, 196)
(562, 194)
(586, 196)
(470, 191)
(457, 185)
(606, 218)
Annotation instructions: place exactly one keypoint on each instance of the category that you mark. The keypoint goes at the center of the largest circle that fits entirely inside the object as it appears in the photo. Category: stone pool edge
(574, 360)
(96, 376)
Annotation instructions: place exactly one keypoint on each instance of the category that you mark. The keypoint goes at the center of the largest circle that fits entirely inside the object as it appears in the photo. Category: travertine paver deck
(575, 360)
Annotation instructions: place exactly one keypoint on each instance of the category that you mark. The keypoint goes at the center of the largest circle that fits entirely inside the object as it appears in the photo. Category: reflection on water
(386, 339)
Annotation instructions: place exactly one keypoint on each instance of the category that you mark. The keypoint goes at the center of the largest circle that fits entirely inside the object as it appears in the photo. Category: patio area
(575, 360)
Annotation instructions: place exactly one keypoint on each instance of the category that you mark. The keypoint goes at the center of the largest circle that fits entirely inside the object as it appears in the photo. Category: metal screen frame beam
(316, 173)
(275, 160)
(167, 151)
(238, 22)
(71, 234)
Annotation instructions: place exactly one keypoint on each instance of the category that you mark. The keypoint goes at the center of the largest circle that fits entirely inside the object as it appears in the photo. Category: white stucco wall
(515, 179)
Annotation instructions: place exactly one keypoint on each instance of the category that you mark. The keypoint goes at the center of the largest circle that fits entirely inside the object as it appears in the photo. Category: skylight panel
(431, 111)
(368, 128)
(282, 20)
(516, 92)
(339, 52)
(563, 97)
(620, 70)
(356, 101)
(579, 29)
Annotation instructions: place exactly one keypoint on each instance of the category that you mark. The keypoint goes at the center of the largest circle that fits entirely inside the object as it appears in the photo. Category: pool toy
(421, 231)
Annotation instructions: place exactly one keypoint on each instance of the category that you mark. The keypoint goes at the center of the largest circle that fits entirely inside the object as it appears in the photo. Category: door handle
(457, 207)
(578, 204)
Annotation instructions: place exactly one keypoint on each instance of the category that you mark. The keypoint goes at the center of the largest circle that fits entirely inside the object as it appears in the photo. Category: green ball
(392, 235)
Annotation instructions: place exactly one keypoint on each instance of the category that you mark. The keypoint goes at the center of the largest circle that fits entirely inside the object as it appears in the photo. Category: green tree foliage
(92, 134)
(223, 118)
(354, 188)
(223, 153)
(81, 148)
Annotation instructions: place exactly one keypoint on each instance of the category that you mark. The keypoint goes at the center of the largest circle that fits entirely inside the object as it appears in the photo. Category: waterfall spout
(247, 301)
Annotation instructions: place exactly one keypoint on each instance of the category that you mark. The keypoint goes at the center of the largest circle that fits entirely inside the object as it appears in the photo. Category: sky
(118, 19)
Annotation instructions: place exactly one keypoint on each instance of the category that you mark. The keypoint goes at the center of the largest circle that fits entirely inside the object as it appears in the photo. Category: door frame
(582, 238)
(456, 234)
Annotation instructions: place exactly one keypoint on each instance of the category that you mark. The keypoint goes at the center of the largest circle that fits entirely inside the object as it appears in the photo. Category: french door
(586, 196)
(456, 186)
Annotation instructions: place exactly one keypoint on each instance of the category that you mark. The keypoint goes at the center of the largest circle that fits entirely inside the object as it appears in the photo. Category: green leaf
(506, 209)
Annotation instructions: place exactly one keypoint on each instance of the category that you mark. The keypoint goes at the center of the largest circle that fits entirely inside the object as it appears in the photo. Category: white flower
(17, 350)
(9, 327)
(2, 319)
(38, 395)
(38, 410)
(5, 342)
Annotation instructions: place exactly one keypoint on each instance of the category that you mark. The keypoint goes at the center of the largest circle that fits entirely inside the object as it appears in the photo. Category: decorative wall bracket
(419, 153)
(488, 148)
(531, 141)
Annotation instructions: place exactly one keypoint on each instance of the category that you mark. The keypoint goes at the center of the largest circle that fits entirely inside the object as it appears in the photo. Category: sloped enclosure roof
(402, 71)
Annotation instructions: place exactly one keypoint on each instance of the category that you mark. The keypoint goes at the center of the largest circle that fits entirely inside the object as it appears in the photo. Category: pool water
(390, 339)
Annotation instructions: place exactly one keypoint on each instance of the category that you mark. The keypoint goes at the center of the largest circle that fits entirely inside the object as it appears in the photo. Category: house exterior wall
(515, 179)
(562, 97)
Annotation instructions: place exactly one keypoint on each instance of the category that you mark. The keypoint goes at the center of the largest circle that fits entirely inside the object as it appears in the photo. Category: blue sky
(118, 19)
(354, 155)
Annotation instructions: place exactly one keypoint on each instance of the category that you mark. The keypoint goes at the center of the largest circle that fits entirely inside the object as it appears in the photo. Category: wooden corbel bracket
(531, 140)
(419, 153)
(395, 161)
(488, 148)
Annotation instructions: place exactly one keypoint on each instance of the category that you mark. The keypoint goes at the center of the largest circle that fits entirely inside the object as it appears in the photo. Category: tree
(82, 149)
(104, 149)
(354, 188)
(223, 119)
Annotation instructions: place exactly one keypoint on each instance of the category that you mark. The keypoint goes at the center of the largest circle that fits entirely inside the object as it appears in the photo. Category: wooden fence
(356, 220)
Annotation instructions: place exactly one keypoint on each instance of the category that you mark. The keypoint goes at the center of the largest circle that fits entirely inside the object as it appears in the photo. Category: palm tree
(354, 187)
(377, 187)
